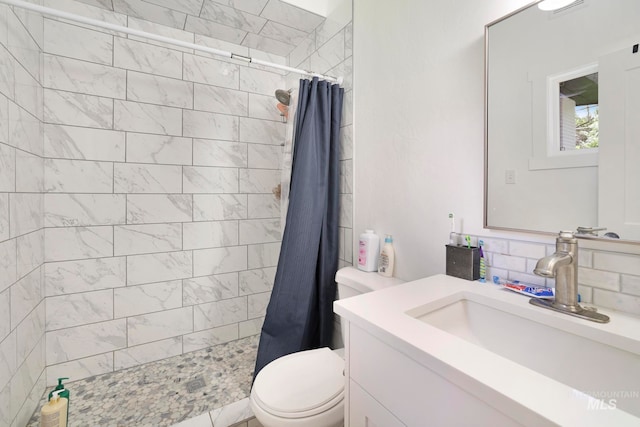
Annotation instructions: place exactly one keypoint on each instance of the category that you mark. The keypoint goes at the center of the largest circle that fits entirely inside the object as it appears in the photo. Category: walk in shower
(137, 219)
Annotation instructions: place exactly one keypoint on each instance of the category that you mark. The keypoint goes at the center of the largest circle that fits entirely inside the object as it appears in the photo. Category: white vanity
(442, 351)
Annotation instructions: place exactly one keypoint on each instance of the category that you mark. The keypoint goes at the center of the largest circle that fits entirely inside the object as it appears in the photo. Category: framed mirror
(562, 140)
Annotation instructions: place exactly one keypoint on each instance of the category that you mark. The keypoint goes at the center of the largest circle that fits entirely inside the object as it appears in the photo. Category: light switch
(510, 176)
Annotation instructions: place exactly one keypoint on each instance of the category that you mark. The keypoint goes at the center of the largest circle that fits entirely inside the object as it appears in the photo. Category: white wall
(418, 106)
(418, 147)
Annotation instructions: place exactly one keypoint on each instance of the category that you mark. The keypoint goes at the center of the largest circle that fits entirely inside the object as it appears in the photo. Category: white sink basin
(566, 350)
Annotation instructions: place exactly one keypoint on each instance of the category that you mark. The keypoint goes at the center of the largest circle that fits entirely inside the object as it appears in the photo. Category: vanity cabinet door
(365, 411)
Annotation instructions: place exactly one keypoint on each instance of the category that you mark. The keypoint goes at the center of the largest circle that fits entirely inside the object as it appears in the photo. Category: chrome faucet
(563, 265)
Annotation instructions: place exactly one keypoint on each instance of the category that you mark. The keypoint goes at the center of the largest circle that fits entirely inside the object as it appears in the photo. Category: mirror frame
(486, 148)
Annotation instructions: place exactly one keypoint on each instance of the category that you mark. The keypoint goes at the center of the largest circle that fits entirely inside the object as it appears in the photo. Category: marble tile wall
(328, 50)
(22, 306)
(161, 231)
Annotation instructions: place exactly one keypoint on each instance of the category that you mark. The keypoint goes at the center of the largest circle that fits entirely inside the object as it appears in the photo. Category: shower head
(284, 96)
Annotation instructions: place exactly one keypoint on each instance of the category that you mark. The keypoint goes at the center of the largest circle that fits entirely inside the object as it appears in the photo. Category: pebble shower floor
(165, 392)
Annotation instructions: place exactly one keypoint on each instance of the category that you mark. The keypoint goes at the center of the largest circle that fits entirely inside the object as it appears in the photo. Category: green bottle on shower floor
(63, 393)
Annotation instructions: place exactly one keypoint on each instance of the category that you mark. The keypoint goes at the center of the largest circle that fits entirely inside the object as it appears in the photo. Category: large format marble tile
(81, 143)
(147, 238)
(153, 89)
(67, 108)
(25, 213)
(136, 300)
(231, 17)
(191, 7)
(24, 130)
(22, 45)
(7, 168)
(4, 216)
(145, 353)
(67, 311)
(163, 149)
(63, 210)
(71, 343)
(259, 180)
(257, 305)
(29, 172)
(139, 56)
(200, 124)
(262, 156)
(210, 337)
(201, 235)
(84, 77)
(263, 255)
(71, 243)
(210, 71)
(264, 107)
(154, 208)
(157, 326)
(74, 42)
(262, 131)
(221, 100)
(279, 11)
(328, 55)
(80, 369)
(219, 313)
(210, 180)
(267, 44)
(263, 206)
(219, 260)
(260, 81)
(29, 252)
(26, 294)
(209, 152)
(259, 231)
(150, 12)
(217, 207)
(147, 118)
(213, 29)
(141, 178)
(257, 281)
(217, 287)
(161, 30)
(158, 267)
(68, 277)
(30, 331)
(77, 176)
(283, 33)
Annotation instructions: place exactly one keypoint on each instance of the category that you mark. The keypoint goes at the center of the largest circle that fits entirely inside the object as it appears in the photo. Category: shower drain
(195, 384)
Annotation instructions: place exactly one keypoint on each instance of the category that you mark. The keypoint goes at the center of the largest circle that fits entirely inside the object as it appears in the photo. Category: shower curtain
(300, 313)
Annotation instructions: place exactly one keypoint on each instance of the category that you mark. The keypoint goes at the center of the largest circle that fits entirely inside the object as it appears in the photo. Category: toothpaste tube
(532, 291)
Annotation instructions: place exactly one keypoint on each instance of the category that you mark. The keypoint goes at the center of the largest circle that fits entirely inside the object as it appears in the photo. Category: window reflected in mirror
(579, 113)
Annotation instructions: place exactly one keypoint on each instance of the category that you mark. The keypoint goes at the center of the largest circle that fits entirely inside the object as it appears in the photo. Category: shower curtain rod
(97, 23)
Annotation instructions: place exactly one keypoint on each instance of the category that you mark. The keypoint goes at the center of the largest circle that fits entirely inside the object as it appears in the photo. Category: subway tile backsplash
(605, 278)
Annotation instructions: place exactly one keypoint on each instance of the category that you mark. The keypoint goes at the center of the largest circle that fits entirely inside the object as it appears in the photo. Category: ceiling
(272, 26)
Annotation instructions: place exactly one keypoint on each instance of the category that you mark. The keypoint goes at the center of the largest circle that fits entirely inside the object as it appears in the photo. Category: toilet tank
(352, 282)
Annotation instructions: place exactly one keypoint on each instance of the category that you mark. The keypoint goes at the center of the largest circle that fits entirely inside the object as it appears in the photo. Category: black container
(463, 262)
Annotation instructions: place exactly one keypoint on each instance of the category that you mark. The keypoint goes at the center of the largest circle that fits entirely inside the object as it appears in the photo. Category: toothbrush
(452, 233)
(468, 240)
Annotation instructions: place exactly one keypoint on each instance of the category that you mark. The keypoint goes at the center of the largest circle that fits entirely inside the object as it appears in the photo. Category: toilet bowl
(306, 389)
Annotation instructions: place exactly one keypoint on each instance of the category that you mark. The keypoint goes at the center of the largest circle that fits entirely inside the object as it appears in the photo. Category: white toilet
(306, 389)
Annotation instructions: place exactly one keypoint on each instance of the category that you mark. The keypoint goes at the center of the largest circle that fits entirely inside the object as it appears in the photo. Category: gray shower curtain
(300, 313)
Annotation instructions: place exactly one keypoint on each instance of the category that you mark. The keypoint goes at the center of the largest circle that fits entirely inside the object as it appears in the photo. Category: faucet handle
(590, 230)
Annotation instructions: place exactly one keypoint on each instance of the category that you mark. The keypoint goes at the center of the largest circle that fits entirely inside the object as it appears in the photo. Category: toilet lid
(300, 384)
